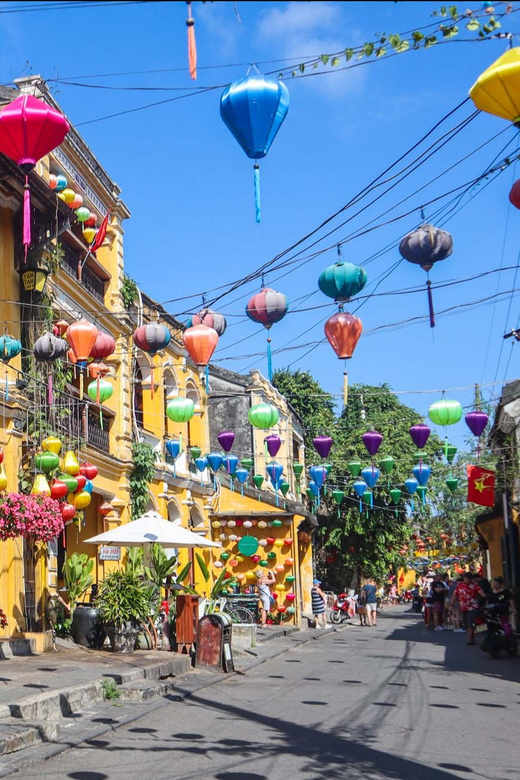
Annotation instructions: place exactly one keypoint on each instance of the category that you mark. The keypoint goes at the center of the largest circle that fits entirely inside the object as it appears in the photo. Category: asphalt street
(396, 701)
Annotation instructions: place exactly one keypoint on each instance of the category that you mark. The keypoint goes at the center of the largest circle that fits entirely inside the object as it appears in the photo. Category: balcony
(89, 280)
(75, 426)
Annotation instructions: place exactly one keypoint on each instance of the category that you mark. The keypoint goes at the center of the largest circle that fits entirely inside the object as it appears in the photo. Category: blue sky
(189, 185)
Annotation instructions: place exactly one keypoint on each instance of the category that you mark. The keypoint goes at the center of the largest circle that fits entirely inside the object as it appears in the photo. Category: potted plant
(123, 607)
(85, 627)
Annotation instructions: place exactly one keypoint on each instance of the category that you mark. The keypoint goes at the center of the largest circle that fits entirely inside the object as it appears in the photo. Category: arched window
(171, 390)
(196, 517)
(194, 423)
(142, 379)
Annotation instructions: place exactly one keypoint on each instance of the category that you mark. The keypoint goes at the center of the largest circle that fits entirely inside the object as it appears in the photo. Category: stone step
(16, 735)
(139, 690)
(10, 648)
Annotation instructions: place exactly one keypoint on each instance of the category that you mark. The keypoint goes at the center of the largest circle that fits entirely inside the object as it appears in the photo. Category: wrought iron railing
(88, 429)
(89, 279)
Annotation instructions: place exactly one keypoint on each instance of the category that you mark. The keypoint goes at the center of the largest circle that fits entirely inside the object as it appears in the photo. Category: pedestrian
(263, 582)
(392, 594)
(428, 604)
(453, 607)
(369, 589)
(467, 593)
(361, 609)
(319, 601)
(438, 597)
(502, 599)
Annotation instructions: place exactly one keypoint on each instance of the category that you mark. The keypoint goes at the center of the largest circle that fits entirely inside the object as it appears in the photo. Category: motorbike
(496, 638)
(339, 612)
(417, 602)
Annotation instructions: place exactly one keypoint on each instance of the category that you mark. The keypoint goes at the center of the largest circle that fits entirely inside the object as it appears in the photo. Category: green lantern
(298, 469)
(368, 498)
(290, 578)
(247, 463)
(387, 464)
(258, 480)
(263, 416)
(309, 493)
(46, 461)
(264, 563)
(284, 487)
(225, 555)
(421, 492)
(419, 456)
(180, 410)
(338, 496)
(450, 451)
(271, 555)
(195, 452)
(70, 481)
(395, 495)
(354, 468)
(277, 523)
(327, 467)
(100, 390)
(452, 484)
(445, 412)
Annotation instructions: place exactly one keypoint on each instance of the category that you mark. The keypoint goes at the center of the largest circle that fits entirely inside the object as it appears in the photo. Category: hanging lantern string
(430, 302)
(258, 204)
(26, 216)
(192, 46)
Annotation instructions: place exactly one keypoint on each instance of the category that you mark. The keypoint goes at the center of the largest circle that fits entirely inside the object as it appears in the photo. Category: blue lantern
(173, 448)
(254, 109)
(422, 473)
(230, 463)
(215, 461)
(275, 471)
(313, 488)
(411, 485)
(319, 475)
(242, 474)
(89, 486)
(202, 465)
(360, 486)
(370, 474)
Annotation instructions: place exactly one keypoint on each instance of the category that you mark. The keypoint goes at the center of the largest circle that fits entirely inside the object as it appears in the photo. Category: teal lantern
(277, 523)
(342, 281)
(445, 412)
(180, 410)
(9, 348)
(248, 545)
(263, 416)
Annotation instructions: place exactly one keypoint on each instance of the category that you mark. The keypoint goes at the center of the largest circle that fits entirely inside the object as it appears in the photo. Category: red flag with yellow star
(481, 486)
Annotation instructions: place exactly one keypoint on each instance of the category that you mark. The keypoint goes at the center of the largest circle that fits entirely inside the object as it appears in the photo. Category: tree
(311, 403)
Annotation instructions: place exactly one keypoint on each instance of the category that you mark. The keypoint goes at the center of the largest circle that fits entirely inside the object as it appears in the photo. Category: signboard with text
(109, 553)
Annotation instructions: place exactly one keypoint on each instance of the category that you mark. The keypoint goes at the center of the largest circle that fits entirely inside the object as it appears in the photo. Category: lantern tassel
(345, 388)
(258, 208)
(269, 360)
(81, 383)
(101, 419)
(6, 386)
(192, 46)
(97, 390)
(50, 388)
(430, 303)
(26, 216)
(207, 379)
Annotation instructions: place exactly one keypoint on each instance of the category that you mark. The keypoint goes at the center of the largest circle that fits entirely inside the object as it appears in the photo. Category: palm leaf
(204, 569)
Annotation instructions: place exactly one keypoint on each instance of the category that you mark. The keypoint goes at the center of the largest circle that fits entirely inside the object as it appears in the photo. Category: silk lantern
(40, 486)
(372, 441)
(200, 342)
(180, 410)
(100, 391)
(81, 336)
(263, 416)
(254, 109)
(497, 91)
(152, 338)
(226, 439)
(342, 281)
(103, 347)
(425, 246)
(58, 489)
(445, 412)
(51, 444)
(211, 319)
(267, 308)
(420, 434)
(273, 444)
(47, 349)
(343, 331)
(30, 129)
(88, 470)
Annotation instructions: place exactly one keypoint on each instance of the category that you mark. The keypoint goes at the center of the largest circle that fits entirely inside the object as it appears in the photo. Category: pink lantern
(290, 596)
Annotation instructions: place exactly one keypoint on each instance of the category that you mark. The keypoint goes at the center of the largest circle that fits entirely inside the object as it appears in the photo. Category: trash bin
(186, 618)
(214, 642)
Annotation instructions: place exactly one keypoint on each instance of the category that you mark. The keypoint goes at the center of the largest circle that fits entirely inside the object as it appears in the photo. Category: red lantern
(58, 489)
(343, 331)
(270, 540)
(30, 129)
(1, 456)
(104, 346)
(200, 342)
(91, 221)
(60, 328)
(82, 481)
(88, 470)
(68, 512)
(514, 194)
(105, 508)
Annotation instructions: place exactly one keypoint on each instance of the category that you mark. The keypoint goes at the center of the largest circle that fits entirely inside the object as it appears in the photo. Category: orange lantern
(60, 328)
(200, 342)
(343, 331)
(105, 508)
(81, 336)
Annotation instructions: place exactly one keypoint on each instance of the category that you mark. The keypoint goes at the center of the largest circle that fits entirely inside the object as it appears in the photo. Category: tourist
(502, 599)
(438, 597)
(467, 593)
(263, 582)
(319, 602)
(453, 607)
(370, 597)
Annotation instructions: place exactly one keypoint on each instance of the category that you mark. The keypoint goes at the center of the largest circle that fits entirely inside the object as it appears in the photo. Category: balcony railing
(90, 281)
(92, 433)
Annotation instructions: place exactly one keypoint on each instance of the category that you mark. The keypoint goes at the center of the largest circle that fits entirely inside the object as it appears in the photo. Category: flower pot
(86, 630)
(122, 638)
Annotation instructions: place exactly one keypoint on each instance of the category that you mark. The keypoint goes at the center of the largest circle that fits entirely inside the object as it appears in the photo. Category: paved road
(395, 702)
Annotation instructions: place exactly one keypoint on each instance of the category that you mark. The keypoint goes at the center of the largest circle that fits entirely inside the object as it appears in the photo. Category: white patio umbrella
(151, 528)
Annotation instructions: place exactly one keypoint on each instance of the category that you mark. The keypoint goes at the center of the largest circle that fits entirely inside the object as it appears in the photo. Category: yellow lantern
(3, 479)
(239, 558)
(70, 464)
(250, 575)
(497, 90)
(279, 542)
(82, 500)
(89, 234)
(67, 195)
(215, 524)
(51, 444)
(279, 588)
(40, 486)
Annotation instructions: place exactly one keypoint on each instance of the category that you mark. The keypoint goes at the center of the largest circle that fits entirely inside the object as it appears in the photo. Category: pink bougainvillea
(33, 517)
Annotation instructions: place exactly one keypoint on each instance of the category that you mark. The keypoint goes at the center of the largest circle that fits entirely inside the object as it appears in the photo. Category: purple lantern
(476, 422)
(420, 434)
(226, 439)
(322, 445)
(372, 441)
(273, 444)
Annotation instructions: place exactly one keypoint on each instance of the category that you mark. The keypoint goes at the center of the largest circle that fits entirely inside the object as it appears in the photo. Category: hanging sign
(109, 553)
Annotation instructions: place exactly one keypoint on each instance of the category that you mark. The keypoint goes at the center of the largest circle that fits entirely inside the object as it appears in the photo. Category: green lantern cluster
(258, 480)
(354, 468)
(263, 416)
(195, 452)
(298, 469)
(46, 461)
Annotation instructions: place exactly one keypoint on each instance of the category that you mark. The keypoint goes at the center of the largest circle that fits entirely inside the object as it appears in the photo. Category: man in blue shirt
(368, 591)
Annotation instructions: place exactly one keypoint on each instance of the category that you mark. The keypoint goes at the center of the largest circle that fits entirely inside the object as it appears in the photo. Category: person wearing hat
(319, 601)
(263, 582)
